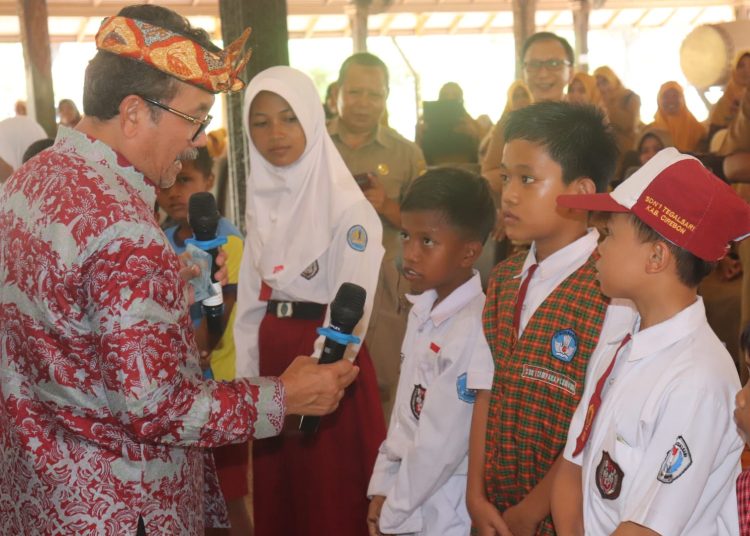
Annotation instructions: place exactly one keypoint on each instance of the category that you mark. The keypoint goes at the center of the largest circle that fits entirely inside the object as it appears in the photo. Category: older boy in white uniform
(418, 485)
(653, 442)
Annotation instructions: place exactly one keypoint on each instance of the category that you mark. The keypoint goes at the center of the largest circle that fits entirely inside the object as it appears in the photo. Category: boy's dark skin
(531, 180)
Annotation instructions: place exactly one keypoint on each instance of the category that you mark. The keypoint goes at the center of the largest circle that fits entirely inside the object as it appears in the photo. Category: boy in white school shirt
(652, 448)
(418, 485)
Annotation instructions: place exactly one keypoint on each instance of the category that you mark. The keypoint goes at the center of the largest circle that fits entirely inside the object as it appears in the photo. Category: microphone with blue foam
(203, 218)
(346, 311)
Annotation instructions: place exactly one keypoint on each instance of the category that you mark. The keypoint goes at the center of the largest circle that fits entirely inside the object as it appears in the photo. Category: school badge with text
(417, 400)
(609, 477)
(564, 345)
(356, 237)
(676, 462)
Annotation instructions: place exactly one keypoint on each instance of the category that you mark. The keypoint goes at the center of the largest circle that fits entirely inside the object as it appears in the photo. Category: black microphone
(203, 218)
(346, 309)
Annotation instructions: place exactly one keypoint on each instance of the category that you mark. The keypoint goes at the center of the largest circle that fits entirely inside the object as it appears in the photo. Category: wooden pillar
(581, 11)
(358, 23)
(32, 18)
(269, 41)
(524, 25)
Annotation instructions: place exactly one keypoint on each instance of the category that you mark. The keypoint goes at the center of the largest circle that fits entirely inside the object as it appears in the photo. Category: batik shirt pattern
(104, 412)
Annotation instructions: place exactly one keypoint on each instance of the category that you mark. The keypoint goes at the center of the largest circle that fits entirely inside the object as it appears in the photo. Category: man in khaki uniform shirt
(385, 163)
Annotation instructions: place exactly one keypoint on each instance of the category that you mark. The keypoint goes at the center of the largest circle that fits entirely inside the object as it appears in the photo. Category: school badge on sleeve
(464, 393)
(609, 477)
(356, 237)
(564, 345)
(676, 462)
(417, 400)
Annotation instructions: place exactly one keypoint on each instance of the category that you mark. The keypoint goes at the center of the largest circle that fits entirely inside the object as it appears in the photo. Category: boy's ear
(584, 185)
(472, 251)
(210, 181)
(659, 257)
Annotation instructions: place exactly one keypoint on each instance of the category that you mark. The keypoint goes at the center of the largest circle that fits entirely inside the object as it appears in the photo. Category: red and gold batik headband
(175, 54)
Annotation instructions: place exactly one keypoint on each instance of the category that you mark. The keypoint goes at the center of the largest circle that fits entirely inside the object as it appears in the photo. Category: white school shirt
(421, 465)
(663, 451)
(551, 272)
(354, 256)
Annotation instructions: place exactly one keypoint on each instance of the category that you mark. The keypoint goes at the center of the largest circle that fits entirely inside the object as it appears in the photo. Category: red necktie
(596, 401)
(519, 301)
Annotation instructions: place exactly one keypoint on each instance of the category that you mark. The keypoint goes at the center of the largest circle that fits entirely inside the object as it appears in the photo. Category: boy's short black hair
(204, 163)
(690, 269)
(463, 197)
(548, 36)
(37, 147)
(576, 136)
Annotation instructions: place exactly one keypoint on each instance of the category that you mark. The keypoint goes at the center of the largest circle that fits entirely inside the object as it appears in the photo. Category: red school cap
(676, 196)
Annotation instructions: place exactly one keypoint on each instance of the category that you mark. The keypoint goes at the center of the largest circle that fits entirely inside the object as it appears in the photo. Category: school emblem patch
(564, 345)
(417, 400)
(464, 393)
(311, 271)
(356, 237)
(609, 477)
(676, 462)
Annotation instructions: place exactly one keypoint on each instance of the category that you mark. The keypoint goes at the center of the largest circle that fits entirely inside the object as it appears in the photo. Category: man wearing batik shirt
(103, 408)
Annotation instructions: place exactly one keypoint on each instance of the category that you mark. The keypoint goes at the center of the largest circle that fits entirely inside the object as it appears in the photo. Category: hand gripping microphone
(346, 311)
(203, 217)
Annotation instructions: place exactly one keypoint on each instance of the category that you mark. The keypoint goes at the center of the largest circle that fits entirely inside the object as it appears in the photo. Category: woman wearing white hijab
(309, 229)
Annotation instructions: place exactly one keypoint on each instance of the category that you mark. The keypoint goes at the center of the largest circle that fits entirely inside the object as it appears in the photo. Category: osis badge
(609, 477)
(676, 462)
(417, 400)
(356, 237)
(311, 271)
(464, 393)
(564, 345)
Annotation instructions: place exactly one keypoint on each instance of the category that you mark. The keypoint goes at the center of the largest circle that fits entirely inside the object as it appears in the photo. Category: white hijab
(16, 134)
(291, 212)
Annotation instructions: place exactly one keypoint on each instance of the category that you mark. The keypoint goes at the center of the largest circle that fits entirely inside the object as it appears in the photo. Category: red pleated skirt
(316, 485)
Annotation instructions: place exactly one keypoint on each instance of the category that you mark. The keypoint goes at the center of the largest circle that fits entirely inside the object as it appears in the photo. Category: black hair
(576, 136)
(110, 78)
(35, 148)
(463, 197)
(204, 163)
(366, 60)
(690, 269)
(745, 339)
(548, 36)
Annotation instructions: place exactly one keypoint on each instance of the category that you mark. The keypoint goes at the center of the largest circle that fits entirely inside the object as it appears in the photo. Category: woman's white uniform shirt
(309, 228)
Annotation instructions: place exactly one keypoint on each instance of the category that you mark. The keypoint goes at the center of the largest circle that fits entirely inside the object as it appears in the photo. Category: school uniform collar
(574, 253)
(452, 304)
(653, 340)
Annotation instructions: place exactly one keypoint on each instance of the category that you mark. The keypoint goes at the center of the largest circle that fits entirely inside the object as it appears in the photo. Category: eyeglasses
(551, 65)
(202, 123)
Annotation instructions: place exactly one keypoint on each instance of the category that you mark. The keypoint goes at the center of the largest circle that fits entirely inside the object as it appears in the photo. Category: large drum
(707, 53)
